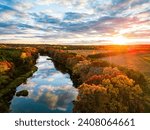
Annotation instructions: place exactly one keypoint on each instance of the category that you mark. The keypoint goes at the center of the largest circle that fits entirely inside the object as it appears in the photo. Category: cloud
(63, 2)
(55, 97)
(24, 5)
(53, 89)
(72, 16)
(43, 18)
(6, 8)
(73, 20)
(8, 2)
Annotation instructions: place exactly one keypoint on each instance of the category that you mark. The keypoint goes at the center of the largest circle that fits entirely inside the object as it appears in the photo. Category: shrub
(81, 69)
(118, 94)
(5, 66)
(4, 79)
(11, 55)
(71, 62)
(122, 94)
(91, 98)
(135, 75)
(111, 71)
(23, 55)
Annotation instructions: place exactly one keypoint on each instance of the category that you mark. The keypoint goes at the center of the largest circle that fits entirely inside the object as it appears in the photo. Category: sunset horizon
(75, 56)
(75, 22)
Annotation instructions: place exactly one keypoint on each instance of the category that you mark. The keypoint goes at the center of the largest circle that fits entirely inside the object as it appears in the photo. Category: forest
(102, 86)
(16, 65)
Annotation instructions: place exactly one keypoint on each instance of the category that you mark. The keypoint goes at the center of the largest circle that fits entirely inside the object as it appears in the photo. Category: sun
(119, 40)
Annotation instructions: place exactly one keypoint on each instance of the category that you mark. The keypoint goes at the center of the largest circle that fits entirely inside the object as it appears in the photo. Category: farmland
(133, 57)
(139, 62)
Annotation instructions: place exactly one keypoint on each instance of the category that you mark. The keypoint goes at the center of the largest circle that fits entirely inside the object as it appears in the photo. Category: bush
(22, 93)
(85, 69)
(81, 69)
(91, 98)
(15, 62)
(5, 66)
(4, 79)
(121, 94)
(71, 62)
(116, 94)
(138, 77)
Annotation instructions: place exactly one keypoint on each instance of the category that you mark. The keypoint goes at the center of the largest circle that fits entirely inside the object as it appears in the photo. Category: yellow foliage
(23, 55)
(5, 66)
(112, 94)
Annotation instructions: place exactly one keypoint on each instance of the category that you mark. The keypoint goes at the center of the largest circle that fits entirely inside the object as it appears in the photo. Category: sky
(74, 21)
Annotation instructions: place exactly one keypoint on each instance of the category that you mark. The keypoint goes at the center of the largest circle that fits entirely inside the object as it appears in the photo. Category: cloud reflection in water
(49, 90)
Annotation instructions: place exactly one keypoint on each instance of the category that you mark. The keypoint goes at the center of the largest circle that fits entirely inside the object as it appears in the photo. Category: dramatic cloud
(72, 16)
(74, 21)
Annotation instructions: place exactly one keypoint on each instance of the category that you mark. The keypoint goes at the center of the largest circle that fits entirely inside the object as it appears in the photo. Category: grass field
(133, 57)
(88, 52)
(139, 62)
(146, 57)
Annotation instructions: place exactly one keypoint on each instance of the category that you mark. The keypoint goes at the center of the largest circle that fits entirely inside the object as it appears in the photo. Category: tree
(110, 92)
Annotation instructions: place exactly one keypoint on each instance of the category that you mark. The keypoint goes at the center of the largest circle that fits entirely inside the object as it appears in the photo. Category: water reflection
(49, 90)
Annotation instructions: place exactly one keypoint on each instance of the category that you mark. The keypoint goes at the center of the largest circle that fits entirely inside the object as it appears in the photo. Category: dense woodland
(16, 65)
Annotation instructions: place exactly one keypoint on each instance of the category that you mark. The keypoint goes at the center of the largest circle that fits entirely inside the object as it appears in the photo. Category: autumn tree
(111, 92)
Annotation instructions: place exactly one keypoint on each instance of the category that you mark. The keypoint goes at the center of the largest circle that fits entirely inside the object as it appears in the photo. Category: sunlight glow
(120, 40)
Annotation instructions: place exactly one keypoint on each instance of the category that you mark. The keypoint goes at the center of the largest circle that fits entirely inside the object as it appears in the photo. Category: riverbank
(49, 90)
(104, 87)
(20, 66)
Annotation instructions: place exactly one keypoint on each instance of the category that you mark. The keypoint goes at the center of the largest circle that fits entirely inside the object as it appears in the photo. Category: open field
(138, 62)
(146, 57)
(132, 57)
(88, 52)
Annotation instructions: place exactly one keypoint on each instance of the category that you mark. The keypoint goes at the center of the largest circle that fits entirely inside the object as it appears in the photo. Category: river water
(49, 91)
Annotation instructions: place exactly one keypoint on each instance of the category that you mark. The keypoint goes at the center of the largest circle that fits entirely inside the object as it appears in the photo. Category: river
(50, 91)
